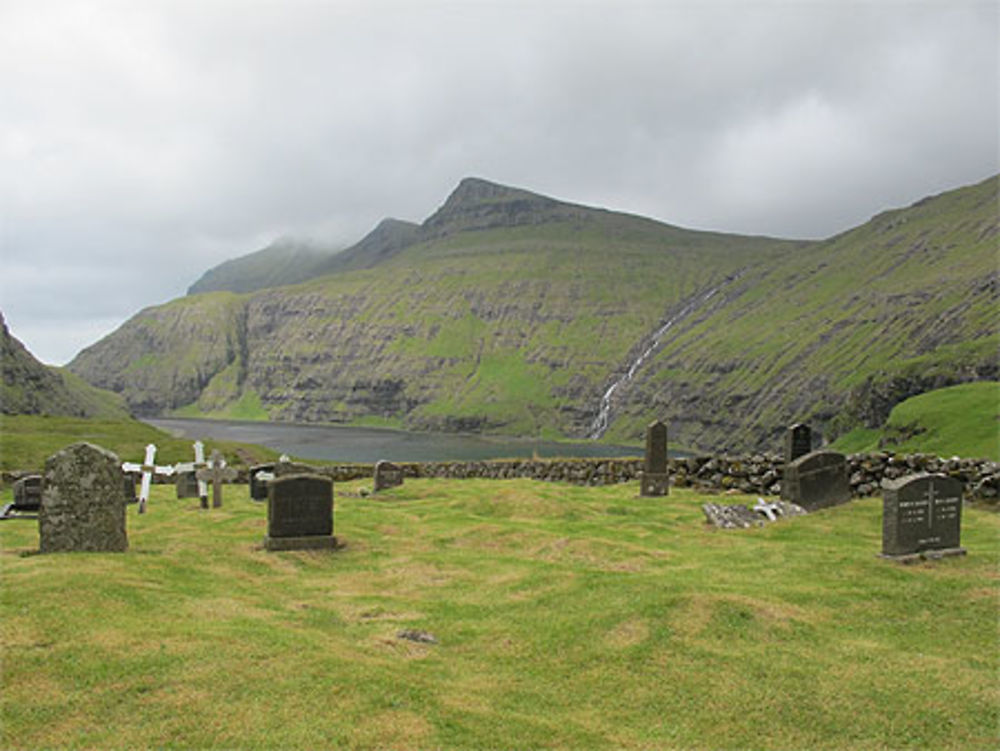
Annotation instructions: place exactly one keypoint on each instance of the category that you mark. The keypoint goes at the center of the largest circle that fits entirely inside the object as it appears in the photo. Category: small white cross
(770, 510)
(148, 469)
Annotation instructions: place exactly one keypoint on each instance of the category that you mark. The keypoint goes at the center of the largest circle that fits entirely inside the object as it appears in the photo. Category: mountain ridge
(512, 312)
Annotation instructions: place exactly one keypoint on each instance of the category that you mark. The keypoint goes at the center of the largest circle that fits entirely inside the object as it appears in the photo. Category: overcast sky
(143, 142)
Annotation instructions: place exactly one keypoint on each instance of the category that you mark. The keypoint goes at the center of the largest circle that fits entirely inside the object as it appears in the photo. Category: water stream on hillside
(600, 425)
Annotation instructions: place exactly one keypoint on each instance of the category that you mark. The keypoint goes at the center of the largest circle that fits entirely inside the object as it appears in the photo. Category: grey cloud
(153, 140)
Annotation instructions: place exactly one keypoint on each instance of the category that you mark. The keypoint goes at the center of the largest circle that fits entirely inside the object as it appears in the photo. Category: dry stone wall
(759, 474)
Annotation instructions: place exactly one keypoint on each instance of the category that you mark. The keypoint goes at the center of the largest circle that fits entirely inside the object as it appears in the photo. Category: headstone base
(654, 483)
(925, 555)
(310, 542)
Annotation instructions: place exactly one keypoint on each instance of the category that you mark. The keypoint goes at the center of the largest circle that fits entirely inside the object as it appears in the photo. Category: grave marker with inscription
(300, 513)
(817, 480)
(654, 480)
(387, 475)
(798, 442)
(921, 517)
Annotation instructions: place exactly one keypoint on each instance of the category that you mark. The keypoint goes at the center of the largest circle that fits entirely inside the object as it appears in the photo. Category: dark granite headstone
(655, 478)
(83, 502)
(258, 485)
(798, 442)
(187, 484)
(387, 475)
(817, 480)
(300, 513)
(921, 517)
(27, 493)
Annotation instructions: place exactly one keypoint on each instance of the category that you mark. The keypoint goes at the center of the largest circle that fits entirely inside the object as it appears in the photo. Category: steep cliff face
(32, 388)
(508, 311)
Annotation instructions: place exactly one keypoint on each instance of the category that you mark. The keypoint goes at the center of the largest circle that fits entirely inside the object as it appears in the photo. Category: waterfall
(603, 419)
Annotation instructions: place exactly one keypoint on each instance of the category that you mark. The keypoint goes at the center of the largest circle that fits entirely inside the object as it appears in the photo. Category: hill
(32, 388)
(513, 312)
(961, 420)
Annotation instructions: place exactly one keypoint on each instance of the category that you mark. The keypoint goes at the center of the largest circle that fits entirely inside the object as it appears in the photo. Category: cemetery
(461, 598)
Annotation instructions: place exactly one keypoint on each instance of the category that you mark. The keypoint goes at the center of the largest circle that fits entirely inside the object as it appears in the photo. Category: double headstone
(300, 513)
(654, 480)
(817, 480)
(387, 475)
(83, 502)
(921, 517)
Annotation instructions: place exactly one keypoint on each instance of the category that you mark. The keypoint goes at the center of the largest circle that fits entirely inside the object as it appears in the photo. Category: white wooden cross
(217, 473)
(198, 463)
(148, 469)
(771, 510)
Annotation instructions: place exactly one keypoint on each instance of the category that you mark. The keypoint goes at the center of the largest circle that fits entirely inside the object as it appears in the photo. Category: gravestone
(817, 480)
(260, 476)
(921, 517)
(28, 493)
(216, 473)
(387, 475)
(83, 502)
(654, 480)
(187, 484)
(798, 442)
(300, 513)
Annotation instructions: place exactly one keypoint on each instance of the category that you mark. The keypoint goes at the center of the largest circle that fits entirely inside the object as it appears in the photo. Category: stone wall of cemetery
(759, 473)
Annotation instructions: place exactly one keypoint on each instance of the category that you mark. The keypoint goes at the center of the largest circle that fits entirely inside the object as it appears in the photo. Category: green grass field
(26, 441)
(566, 618)
(959, 420)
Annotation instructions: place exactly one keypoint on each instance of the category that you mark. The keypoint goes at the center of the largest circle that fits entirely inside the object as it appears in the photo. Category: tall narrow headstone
(300, 513)
(387, 475)
(798, 442)
(654, 480)
(921, 517)
(83, 502)
(817, 480)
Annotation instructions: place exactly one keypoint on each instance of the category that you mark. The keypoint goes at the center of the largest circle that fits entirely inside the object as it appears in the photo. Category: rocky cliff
(509, 311)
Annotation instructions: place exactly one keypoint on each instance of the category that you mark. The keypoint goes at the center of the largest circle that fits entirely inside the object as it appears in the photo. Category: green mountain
(512, 312)
(31, 388)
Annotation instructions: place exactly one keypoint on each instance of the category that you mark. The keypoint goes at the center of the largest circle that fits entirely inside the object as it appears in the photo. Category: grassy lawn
(565, 618)
(26, 441)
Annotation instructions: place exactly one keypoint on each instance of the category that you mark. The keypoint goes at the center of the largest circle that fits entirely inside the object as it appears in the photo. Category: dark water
(367, 445)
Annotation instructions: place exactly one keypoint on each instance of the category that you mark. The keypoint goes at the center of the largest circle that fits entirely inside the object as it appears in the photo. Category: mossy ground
(565, 617)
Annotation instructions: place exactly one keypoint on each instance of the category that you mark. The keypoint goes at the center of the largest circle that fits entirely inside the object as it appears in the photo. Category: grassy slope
(26, 441)
(956, 421)
(567, 617)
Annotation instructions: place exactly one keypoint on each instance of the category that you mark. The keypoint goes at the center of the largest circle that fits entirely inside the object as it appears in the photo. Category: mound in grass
(564, 617)
(955, 421)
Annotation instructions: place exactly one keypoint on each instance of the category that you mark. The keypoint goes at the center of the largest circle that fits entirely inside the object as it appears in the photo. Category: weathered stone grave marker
(260, 475)
(27, 498)
(817, 480)
(148, 469)
(217, 473)
(188, 484)
(83, 502)
(300, 513)
(387, 475)
(921, 517)
(654, 480)
(798, 442)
